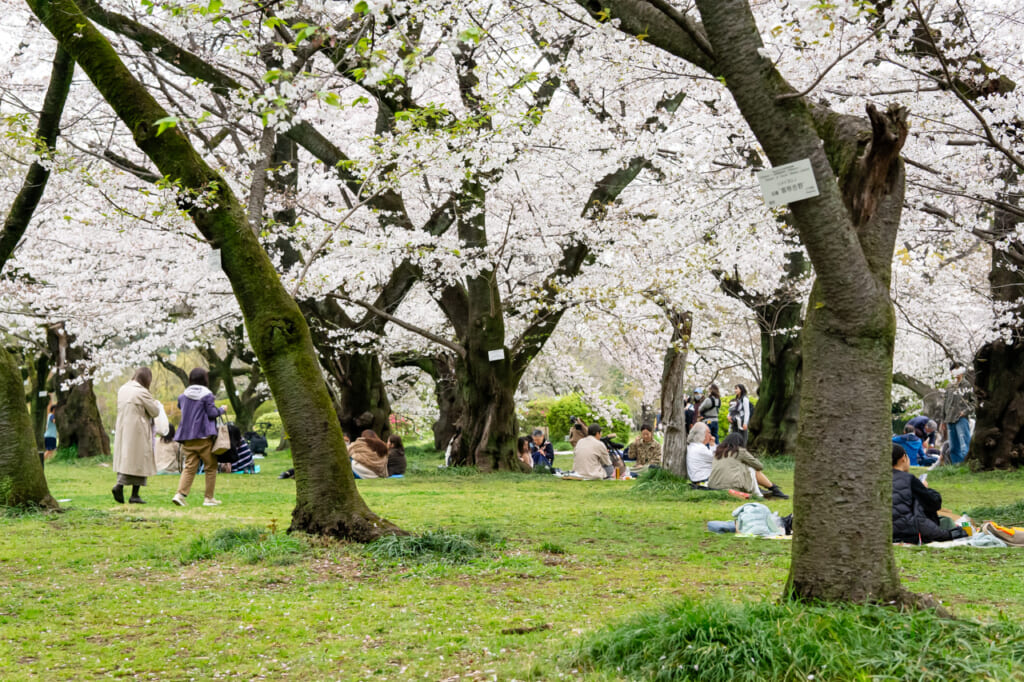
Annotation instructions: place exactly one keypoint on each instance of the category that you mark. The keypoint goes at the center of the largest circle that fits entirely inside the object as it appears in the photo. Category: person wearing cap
(957, 407)
(541, 449)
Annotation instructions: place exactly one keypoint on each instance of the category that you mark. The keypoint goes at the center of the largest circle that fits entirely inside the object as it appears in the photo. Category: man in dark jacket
(914, 506)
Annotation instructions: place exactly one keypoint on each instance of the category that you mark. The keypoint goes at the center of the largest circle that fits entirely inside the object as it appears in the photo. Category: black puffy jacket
(914, 508)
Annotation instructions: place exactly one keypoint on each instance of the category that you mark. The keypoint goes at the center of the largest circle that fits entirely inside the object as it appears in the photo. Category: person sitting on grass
(369, 456)
(915, 507)
(396, 456)
(914, 448)
(591, 461)
(541, 449)
(523, 452)
(699, 455)
(736, 469)
(645, 450)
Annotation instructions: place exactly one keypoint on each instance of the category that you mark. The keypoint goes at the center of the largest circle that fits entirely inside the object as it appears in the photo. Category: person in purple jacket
(196, 433)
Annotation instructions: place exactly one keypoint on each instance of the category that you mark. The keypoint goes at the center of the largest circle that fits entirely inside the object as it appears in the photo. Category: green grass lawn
(107, 590)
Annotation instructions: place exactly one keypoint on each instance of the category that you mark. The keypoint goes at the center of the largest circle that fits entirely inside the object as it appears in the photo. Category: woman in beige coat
(133, 435)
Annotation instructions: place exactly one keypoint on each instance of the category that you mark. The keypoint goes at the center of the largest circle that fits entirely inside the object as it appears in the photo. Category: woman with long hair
(739, 412)
(736, 469)
(523, 451)
(709, 410)
(396, 456)
(196, 433)
(369, 455)
(133, 436)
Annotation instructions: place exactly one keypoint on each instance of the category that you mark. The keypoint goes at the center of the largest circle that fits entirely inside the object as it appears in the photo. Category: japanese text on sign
(788, 183)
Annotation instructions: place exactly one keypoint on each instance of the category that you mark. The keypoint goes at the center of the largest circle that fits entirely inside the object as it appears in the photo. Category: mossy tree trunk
(327, 501)
(22, 481)
(849, 230)
(673, 391)
(77, 415)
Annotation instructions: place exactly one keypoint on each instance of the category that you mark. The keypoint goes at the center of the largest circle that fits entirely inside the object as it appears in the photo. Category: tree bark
(327, 501)
(77, 416)
(998, 441)
(849, 230)
(774, 424)
(931, 398)
(673, 392)
(22, 481)
(362, 399)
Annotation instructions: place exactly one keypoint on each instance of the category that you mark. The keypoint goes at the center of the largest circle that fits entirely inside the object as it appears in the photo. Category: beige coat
(364, 455)
(590, 459)
(133, 435)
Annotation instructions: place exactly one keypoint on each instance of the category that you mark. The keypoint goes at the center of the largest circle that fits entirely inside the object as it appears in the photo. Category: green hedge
(534, 413)
(574, 405)
(723, 414)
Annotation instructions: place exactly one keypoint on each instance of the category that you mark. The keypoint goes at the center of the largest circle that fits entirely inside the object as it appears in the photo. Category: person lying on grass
(915, 507)
(736, 469)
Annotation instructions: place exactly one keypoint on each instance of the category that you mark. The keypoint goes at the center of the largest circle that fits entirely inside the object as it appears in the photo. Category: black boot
(777, 492)
(118, 492)
(135, 499)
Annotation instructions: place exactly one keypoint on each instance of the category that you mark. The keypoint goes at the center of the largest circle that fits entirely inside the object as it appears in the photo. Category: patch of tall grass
(252, 544)
(433, 546)
(1004, 515)
(735, 642)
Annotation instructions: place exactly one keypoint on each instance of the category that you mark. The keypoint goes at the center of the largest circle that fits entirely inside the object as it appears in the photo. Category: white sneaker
(178, 499)
(210, 502)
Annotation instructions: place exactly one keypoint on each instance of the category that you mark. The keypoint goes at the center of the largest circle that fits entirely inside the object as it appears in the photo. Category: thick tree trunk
(78, 417)
(489, 424)
(673, 393)
(998, 440)
(361, 398)
(931, 397)
(22, 482)
(451, 409)
(842, 547)
(327, 501)
(773, 426)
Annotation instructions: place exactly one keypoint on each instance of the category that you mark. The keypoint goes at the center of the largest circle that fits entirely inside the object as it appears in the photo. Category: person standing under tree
(50, 436)
(709, 410)
(739, 412)
(133, 436)
(957, 406)
(196, 433)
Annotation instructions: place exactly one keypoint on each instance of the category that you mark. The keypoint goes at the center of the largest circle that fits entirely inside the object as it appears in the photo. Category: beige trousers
(200, 449)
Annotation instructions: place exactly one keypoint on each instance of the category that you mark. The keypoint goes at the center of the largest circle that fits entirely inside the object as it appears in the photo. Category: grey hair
(699, 428)
(931, 425)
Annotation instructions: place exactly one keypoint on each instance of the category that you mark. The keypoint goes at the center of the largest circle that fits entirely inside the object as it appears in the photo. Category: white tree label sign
(496, 355)
(788, 183)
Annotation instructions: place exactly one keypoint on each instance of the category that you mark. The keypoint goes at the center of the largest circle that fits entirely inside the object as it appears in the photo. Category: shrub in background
(573, 405)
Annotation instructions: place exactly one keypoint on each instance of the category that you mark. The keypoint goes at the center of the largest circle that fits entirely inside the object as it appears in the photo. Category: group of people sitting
(919, 441)
(729, 466)
(373, 458)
